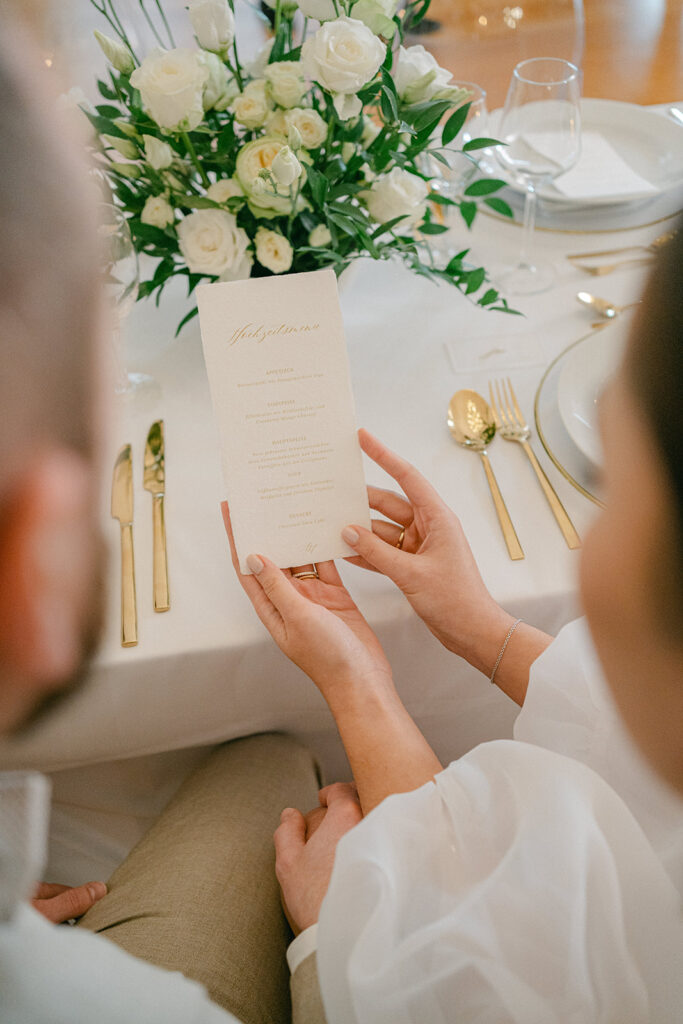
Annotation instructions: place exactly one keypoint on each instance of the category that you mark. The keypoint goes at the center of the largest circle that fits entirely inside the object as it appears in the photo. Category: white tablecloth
(206, 671)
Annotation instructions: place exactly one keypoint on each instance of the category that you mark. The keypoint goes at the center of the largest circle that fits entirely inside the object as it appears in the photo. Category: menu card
(278, 371)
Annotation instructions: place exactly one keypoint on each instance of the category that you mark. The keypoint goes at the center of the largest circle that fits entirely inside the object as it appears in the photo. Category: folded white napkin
(601, 171)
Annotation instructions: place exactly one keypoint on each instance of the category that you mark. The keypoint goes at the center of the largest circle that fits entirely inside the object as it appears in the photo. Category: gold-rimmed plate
(553, 434)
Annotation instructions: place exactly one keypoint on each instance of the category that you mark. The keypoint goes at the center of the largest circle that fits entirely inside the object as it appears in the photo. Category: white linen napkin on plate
(601, 171)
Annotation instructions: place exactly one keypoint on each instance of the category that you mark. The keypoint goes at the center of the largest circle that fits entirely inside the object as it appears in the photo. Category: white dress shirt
(52, 974)
(521, 885)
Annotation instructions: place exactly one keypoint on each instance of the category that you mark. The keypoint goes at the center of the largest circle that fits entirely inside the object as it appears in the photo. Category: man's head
(49, 310)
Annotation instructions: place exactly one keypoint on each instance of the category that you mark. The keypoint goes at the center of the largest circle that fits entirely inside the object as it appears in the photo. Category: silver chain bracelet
(506, 641)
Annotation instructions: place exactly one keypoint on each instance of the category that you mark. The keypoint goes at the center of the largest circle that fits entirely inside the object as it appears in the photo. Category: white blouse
(521, 885)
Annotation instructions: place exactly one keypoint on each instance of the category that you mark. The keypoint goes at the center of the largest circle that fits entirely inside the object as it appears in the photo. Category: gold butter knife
(155, 482)
(122, 509)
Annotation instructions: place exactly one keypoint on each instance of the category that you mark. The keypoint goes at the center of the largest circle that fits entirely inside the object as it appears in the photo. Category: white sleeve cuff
(303, 945)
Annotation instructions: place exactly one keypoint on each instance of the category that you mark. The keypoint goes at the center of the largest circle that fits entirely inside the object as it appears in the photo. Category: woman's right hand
(435, 567)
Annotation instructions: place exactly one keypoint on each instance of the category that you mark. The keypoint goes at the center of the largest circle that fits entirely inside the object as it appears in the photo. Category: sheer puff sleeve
(517, 887)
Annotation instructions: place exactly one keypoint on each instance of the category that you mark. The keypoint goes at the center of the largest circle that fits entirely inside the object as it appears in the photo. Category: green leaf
(468, 212)
(428, 228)
(484, 187)
(106, 90)
(475, 280)
(430, 117)
(277, 52)
(186, 319)
(436, 197)
(388, 225)
(319, 185)
(488, 297)
(500, 206)
(343, 223)
(455, 123)
(388, 104)
(481, 144)
(106, 111)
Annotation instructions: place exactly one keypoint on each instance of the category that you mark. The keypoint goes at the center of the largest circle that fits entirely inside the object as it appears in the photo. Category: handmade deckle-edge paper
(278, 371)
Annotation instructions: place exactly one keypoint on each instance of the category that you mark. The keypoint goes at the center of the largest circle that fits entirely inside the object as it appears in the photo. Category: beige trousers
(198, 894)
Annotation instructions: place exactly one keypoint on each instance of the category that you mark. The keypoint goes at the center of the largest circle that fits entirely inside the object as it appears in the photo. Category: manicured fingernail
(350, 536)
(255, 564)
(97, 890)
(286, 813)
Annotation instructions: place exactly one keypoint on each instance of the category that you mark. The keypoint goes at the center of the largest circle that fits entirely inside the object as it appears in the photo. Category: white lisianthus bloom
(226, 188)
(321, 10)
(370, 131)
(347, 151)
(273, 251)
(126, 127)
(220, 89)
(252, 107)
(309, 124)
(118, 55)
(258, 63)
(123, 146)
(377, 15)
(158, 212)
(252, 159)
(418, 77)
(158, 154)
(285, 168)
(127, 170)
(397, 194)
(343, 56)
(320, 236)
(171, 84)
(212, 243)
(286, 82)
(213, 23)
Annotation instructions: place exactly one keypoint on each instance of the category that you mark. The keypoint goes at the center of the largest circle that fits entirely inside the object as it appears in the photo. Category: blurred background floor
(631, 49)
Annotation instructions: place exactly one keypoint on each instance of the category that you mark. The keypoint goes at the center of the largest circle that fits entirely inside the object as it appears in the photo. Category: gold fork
(606, 268)
(656, 244)
(512, 426)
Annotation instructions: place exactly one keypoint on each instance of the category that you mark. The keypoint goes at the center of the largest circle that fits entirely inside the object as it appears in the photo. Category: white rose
(285, 168)
(171, 83)
(213, 23)
(158, 154)
(286, 82)
(377, 15)
(273, 251)
(418, 77)
(277, 123)
(118, 55)
(252, 159)
(343, 56)
(397, 194)
(252, 107)
(221, 88)
(212, 243)
(321, 10)
(157, 211)
(320, 236)
(309, 124)
(226, 188)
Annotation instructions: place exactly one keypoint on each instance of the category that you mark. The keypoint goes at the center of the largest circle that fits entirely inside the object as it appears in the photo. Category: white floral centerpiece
(310, 156)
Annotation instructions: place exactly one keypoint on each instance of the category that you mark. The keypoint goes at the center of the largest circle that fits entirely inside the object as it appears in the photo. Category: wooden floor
(631, 49)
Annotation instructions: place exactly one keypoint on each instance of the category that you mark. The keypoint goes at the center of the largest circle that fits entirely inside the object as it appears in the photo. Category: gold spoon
(603, 306)
(471, 423)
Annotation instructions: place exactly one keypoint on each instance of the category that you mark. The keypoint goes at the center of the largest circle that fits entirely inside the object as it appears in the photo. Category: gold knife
(122, 509)
(155, 482)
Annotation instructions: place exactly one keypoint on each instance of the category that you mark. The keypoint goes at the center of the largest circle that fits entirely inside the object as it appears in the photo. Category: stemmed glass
(121, 281)
(541, 129)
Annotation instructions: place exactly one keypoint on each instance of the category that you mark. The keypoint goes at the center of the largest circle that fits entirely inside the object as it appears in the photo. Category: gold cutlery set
(648, 252)
(474, 424)
(154, 481)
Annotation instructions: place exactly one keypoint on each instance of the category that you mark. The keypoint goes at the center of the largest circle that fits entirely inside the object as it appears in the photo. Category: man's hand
(305, 849)
(59, 903)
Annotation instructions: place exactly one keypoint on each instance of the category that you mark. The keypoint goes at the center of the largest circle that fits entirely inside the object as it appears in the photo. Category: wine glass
(121, 280)
(452, 179)
(541, 129)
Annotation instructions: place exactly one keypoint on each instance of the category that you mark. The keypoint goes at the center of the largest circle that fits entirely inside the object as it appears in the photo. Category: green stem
(166, 24)
(278, 17)
(295, 200)
(194, 158)
(151, 23)
(238, 66)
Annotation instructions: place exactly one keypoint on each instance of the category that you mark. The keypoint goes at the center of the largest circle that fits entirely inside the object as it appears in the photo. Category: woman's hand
(317, 625)
(59, 903)
(435, 567)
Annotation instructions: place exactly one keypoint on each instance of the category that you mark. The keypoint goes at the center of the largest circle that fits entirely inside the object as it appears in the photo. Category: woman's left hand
(316, 623)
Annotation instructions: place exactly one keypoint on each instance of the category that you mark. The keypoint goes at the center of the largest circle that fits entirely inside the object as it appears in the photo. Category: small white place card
(601, 171)
(278, 371)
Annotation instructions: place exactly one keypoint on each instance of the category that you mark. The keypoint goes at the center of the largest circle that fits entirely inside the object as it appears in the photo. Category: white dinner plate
(652, 145)
(584, 374)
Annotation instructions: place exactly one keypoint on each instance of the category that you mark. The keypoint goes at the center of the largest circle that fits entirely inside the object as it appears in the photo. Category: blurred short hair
(48, 267)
